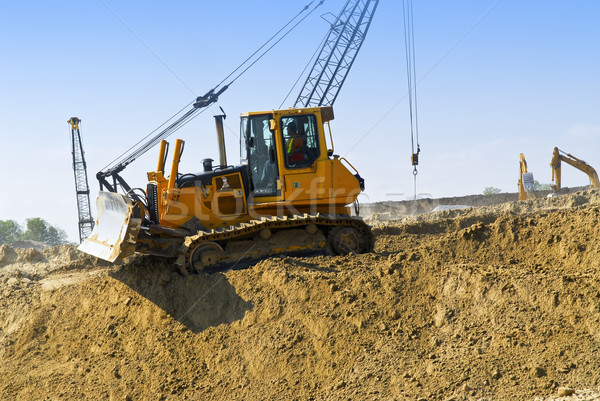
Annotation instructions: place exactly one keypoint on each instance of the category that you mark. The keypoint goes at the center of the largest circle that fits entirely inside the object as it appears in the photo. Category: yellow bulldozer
(290, 194)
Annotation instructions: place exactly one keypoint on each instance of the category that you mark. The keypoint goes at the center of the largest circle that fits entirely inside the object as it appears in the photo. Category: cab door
(261, 154)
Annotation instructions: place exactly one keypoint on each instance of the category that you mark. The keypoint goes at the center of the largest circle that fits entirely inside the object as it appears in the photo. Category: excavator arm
(559, 156)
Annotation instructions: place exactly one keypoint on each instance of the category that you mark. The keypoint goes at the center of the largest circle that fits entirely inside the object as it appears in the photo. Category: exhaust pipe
(221, 139)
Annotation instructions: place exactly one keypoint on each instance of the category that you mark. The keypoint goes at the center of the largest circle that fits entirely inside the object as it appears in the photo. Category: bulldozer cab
(279, 142)
(290, 165)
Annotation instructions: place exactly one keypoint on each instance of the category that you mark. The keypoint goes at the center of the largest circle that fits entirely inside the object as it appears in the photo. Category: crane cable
(270, 39)
(194, 112)
(308, 64)
(409, 44)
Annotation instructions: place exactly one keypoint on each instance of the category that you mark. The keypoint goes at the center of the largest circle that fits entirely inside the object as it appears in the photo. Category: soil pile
(391, 210)
(488, 303)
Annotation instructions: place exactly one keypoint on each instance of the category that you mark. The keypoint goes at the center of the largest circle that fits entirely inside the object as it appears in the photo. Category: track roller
(345, 240)
(204, 255)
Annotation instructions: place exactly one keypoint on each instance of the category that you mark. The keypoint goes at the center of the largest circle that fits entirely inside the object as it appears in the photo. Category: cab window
(300, 139)
(260, 154)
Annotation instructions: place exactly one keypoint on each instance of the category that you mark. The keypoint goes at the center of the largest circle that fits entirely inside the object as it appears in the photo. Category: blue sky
(524, 79)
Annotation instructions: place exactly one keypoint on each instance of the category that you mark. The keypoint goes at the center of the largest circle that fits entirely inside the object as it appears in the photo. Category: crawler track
(250, 231)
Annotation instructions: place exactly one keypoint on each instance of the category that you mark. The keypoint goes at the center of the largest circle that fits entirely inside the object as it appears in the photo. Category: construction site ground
(495, 302)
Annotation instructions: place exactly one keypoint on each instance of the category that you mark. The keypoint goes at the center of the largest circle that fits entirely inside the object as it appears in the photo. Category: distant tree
(541, 187)
(491, 191)
(10, 231)
(40, 230)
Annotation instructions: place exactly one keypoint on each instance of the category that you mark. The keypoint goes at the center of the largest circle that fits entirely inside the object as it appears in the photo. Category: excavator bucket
(116, 230)
(528, 182)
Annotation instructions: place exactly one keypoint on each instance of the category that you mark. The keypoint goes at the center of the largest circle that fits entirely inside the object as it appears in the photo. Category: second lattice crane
(82, 189)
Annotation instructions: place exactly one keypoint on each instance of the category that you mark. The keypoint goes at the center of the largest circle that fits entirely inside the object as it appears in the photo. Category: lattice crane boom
(82, 189)
(339, 50)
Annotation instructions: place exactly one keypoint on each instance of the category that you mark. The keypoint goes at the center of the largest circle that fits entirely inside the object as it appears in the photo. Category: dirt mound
(392, 210)
(488, 303)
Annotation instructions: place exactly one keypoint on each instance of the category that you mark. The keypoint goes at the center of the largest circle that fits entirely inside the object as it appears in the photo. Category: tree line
(537, 186)
(36, 229)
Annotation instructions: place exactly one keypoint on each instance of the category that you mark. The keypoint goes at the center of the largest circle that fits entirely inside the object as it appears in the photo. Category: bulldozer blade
(116, 230)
